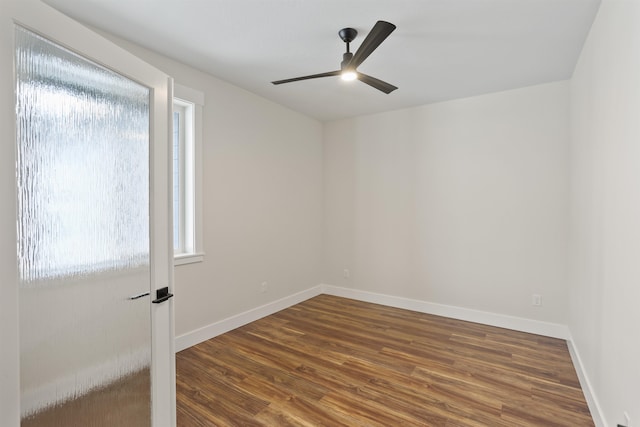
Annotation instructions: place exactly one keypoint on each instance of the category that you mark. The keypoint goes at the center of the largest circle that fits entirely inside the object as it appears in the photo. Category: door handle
(162, 295)
(139, 296)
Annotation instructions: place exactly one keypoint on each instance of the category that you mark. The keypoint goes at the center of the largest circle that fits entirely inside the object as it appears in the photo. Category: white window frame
(190, 102)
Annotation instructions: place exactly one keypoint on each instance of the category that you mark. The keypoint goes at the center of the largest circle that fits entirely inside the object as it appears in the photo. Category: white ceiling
(441, 49)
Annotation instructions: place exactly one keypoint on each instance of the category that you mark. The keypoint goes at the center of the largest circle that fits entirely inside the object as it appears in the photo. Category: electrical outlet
(264, 286)
(346, 273)
(536, 300)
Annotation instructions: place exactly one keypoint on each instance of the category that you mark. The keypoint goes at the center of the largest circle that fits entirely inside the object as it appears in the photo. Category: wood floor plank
(333, 361)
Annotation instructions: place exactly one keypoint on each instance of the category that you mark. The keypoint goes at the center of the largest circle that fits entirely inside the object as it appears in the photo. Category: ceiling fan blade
(312, 76)
(377, 35)
(376, 83)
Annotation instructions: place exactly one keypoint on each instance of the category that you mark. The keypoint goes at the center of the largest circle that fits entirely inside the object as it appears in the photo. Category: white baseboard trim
(587, 388)
(538, 327)
(197, 336)
(225, 325)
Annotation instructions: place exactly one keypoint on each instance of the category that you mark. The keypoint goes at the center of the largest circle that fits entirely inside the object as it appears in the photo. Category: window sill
(182, 259)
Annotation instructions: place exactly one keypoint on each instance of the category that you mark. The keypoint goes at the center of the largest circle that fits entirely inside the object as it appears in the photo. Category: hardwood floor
(332, 361)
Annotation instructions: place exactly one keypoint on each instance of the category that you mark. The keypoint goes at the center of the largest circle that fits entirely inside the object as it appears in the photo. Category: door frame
(46, 21)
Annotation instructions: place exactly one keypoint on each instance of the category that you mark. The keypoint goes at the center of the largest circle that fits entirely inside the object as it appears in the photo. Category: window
(187, 175)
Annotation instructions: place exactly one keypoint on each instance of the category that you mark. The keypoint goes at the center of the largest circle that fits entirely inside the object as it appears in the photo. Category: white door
(92, 226)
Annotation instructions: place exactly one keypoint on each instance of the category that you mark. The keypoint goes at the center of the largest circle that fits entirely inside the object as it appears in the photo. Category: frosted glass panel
(82, 164)
(83, 240)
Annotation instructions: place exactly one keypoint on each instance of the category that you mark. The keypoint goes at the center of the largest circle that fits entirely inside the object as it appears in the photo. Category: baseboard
(587, 388)
(225, 325)
(548, 329)
(500, 320)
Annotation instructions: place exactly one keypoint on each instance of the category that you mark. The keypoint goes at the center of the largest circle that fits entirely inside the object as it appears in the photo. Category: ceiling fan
(350, 61)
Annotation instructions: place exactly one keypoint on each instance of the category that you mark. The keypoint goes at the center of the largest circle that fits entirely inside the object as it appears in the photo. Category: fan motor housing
(346, 59)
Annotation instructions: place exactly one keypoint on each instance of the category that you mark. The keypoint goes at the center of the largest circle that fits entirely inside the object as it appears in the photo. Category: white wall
(262, 204)
(605, 209)
(461, 203)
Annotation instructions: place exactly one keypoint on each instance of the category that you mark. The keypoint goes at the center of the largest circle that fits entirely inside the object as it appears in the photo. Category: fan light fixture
(348, 75)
